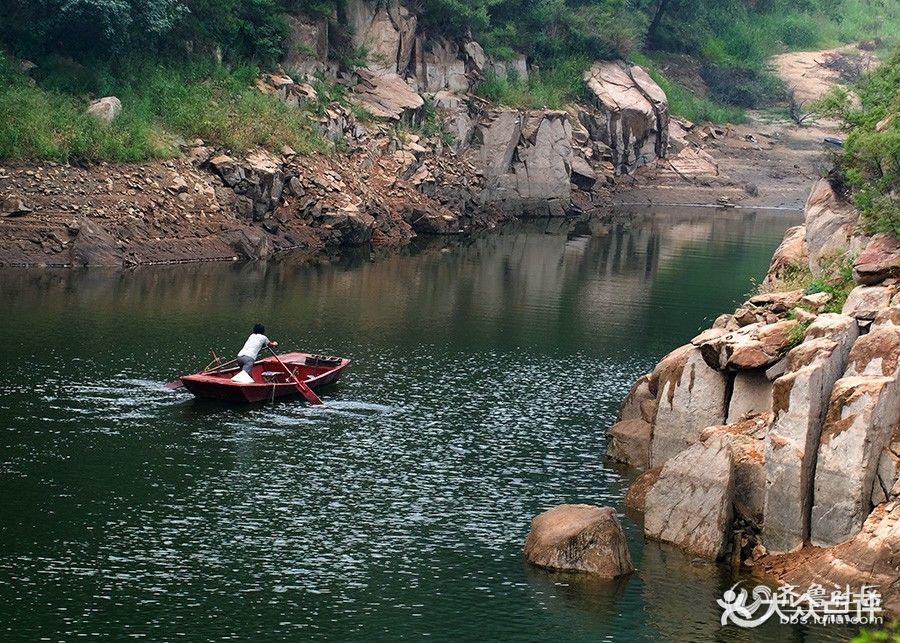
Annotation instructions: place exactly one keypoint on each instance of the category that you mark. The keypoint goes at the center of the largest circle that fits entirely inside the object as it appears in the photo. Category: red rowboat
(270, 379)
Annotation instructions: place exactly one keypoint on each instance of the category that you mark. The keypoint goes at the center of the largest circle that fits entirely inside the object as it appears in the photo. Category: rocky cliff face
(795, 409)
(543, 154)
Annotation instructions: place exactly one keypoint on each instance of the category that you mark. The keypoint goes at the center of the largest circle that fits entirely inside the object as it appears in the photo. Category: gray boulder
(526, 161)
(690, 505)
(691, 397)
(632, 116)
(864, 302)
(105, 109)
(388, 96)
(863, 413)
(800, 400)
(829, 225)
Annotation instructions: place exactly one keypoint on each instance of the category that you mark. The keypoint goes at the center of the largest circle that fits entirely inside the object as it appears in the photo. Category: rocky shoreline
(773, 438)
(387, 181)
(389, 186)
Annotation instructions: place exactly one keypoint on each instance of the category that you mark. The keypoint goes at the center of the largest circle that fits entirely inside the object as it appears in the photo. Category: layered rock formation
(783, 418)
(212, 206)
(531, 159)
(691, 503)
(634, 114)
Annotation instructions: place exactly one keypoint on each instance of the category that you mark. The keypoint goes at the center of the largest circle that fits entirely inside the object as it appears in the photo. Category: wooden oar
(302, 387)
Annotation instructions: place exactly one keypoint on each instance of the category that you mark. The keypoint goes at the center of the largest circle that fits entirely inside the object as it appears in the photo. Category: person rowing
(255, 343)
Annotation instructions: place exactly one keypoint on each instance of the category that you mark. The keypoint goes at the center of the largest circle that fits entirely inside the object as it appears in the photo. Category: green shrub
(837, 281)
(799, 32)
(870, 161)
(552, 86)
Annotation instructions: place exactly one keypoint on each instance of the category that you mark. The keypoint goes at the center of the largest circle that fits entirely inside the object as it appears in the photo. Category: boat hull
(270, 378)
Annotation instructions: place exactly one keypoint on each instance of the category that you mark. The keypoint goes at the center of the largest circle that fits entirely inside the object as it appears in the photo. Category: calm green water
(484, 377)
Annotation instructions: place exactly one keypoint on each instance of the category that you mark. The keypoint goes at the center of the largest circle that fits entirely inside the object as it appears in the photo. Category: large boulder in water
(581, 538)
(633, 118)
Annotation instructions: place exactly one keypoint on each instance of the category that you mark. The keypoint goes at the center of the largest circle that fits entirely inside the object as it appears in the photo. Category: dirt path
(770, 161)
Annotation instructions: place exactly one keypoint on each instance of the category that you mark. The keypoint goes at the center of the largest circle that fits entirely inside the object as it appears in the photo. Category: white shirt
(253, 345)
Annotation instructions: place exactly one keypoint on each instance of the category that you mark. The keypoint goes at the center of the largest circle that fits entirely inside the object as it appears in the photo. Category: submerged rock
(581, 538)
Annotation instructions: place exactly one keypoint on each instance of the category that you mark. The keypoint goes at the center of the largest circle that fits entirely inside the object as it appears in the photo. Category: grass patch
(163, 105)
(836, 280)
(429, 126)
(552, 86)
(798, 332)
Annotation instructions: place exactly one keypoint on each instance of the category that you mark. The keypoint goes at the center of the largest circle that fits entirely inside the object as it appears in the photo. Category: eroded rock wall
(805, 402)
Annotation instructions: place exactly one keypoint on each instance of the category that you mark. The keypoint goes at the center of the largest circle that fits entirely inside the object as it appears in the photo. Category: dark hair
(259, 329)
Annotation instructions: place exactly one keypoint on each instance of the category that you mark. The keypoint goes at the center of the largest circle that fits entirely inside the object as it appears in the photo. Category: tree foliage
(724, 32)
